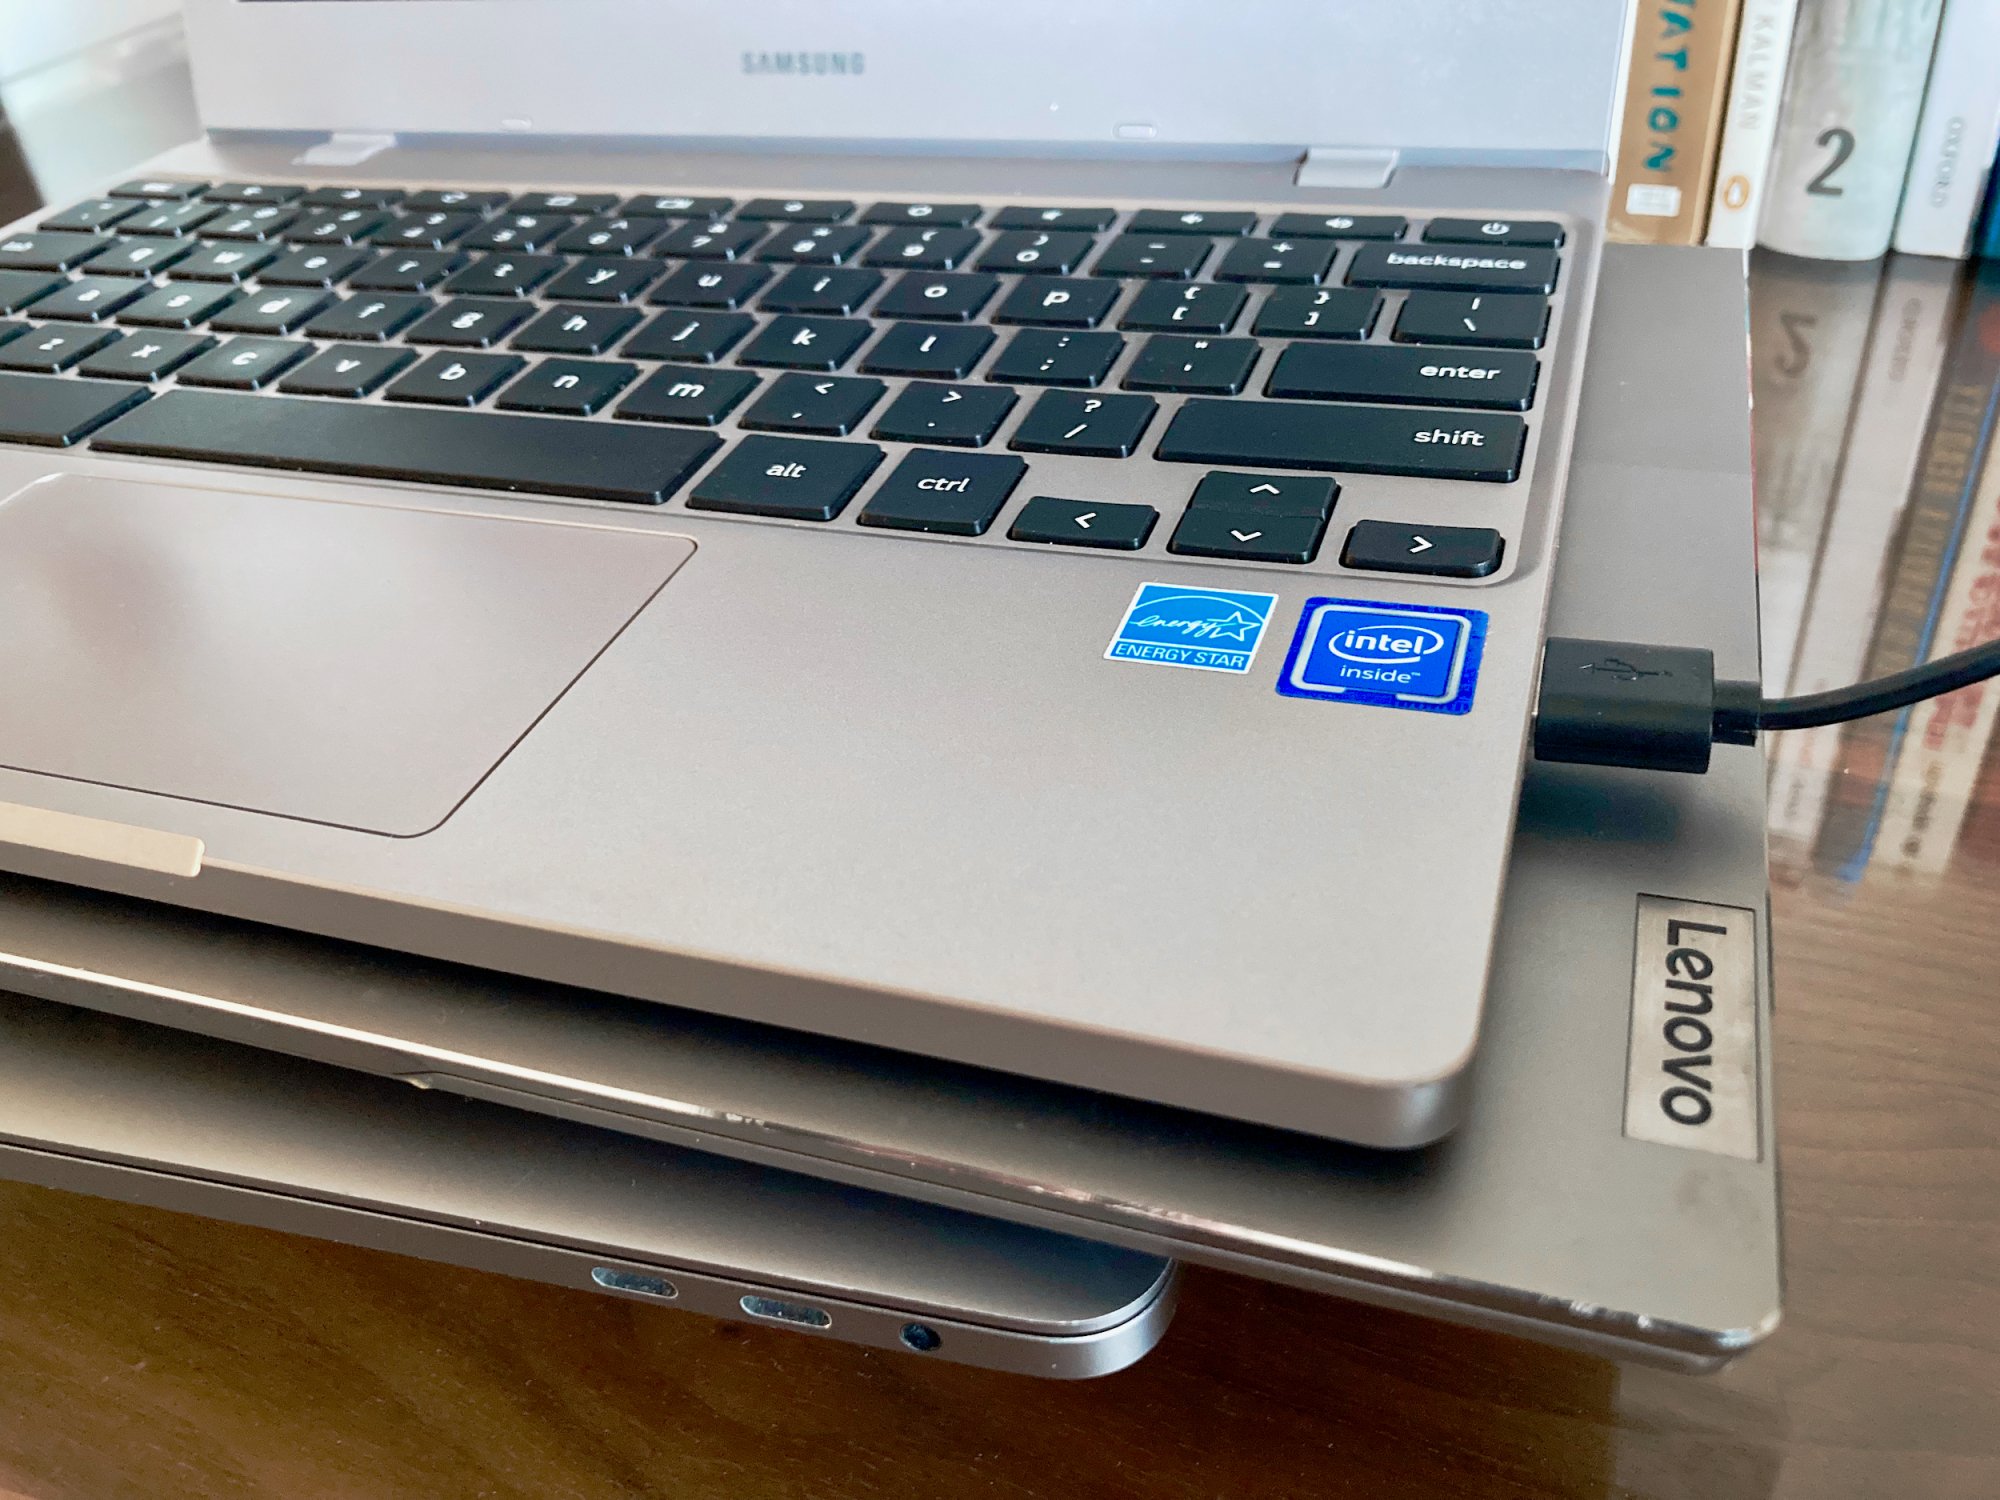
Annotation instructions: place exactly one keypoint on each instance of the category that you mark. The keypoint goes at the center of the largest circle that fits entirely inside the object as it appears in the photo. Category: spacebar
(486, 450)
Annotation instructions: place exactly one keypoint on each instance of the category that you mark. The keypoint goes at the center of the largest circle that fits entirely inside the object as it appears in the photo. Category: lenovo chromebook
(1017, 533)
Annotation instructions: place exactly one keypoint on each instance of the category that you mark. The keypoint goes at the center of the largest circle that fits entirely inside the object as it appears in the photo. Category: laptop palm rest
(361, 665)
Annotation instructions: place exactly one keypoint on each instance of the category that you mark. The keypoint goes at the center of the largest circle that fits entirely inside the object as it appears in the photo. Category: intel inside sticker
(1388, 655)
(1213, 630)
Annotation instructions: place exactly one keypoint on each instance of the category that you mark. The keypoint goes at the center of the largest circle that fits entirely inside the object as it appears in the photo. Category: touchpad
(351, 664)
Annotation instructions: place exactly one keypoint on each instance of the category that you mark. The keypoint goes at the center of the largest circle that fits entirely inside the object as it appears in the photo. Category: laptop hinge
(345, 148)
(1345, 167)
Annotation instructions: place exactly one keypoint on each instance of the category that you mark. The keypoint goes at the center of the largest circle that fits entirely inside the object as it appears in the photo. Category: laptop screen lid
(1500, 82)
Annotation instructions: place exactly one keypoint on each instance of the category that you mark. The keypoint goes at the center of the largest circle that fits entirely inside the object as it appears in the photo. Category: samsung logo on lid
(807, 64)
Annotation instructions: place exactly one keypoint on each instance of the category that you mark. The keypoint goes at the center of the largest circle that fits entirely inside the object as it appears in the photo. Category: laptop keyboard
(912, 366)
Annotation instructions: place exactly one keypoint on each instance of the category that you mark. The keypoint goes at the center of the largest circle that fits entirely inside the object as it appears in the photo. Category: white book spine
(1852, 95)
(1956, 135)
(1750, 121)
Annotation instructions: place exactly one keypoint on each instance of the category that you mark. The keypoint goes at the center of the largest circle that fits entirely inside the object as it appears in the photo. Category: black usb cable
(1660, 708)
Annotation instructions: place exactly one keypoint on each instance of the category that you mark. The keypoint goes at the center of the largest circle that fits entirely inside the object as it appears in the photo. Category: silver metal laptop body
(1564, 1209)
(94, 1104)
(836, 672)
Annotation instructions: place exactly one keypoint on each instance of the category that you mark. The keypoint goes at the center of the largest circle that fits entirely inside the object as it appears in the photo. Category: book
(1979, 839)
(1750, 121)
(1957, 135)
(1988, 246)
(1907, 342)
(1853, 91)
(1675, 87)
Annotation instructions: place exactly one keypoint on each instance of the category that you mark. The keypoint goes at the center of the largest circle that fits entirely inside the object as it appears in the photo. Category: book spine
(1906, 352)
(1750, 121)
(1675, 88)
(1988, 247)
(1852, 96)
(1956, 135)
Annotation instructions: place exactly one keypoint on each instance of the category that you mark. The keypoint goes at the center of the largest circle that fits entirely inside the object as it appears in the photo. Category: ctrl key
(793, 478)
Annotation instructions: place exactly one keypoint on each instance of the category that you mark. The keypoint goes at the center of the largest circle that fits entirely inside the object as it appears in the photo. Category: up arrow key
(1265, 489)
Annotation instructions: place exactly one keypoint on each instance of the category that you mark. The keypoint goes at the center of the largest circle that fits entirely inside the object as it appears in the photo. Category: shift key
(1357, 439)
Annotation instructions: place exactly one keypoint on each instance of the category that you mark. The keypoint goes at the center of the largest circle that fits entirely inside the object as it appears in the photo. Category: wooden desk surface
(146, 1354)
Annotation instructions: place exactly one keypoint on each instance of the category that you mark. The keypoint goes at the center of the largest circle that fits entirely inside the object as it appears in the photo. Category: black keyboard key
(144, 356)
(1493, 232)
(91, 215)
(963, 416)
(19, 289)
(12, 331)
(1493, 319)
(245, 364)
(430, 231)
(567, 387)
(1037, 252)
(1175, 362)
(454, 200)
(1365, 439)
(403, 271)
(1107, 426)
(48, 250)
(703, 240)
(353, 197)
(574, 329)
(1440, 551)
(89, 298)
(693, 337)
(521, 233)
(232, 263)
(46, 351)
(798, 210)
(814, 245)
(813, 289)
(700, 398)
(796, 478)
(599, 461)
(504, 275)
(796, 343)
(564, 201)
(470, 323)
(254, 192)
(951, 215)
(170, 220)
(177, 306)
(1495, 379)
(455, 379)
(1340, 226)
(1060, 302)
(1041, 356)
(1317, 312)
(314, 267)
(676, 206)
(923, 249)
(1296, 262)
(1197, 307)
(56, 413)
(272, 310)
(947, 297)
(917, 349)
(611, 234)
(823, 405)
(162, 189)
(1446, 268)
(1191, 221)
(1019, 216)
(141, 257)
(1173, 257)
(1266, 494)
(711, 286)
(1248, 538)
(1084, 523)
(347, 226)
(351, 372)
(958, 494)
(606, 279)
(267, 223)
(369, 316)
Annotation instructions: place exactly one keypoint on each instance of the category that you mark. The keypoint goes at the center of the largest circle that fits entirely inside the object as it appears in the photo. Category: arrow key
(1440, 551)
(1084, 523)
(1267, 494)
(1248, 536)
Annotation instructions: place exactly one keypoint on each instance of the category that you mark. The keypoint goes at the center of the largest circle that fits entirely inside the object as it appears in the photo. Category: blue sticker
(1212, 630)
(1388, 655)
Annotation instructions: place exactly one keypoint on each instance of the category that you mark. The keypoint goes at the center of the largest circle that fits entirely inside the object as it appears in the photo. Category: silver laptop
(1021, 538)
(1570, 1207)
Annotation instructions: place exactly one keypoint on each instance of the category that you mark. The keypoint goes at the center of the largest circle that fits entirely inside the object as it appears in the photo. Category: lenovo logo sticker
(1692, 1063)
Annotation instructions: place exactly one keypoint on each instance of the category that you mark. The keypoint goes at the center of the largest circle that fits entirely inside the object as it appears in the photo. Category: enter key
(1495, 379)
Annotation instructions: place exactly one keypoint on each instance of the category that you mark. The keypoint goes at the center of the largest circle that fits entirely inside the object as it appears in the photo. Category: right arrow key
(1440, 551)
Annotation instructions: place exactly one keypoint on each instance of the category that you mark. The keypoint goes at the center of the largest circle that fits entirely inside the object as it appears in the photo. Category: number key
(1037, 252)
